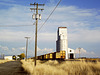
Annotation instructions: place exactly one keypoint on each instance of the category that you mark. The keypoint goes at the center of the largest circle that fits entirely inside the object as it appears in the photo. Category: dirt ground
(12, 68)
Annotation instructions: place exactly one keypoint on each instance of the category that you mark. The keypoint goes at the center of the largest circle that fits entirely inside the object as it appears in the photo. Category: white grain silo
(62, 42)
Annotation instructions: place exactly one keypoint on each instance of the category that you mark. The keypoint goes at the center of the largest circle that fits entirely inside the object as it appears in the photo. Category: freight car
(53, 56)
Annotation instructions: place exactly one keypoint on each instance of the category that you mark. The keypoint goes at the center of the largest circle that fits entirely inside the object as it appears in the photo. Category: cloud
(18, 36)
(81, 50)
(47, 36)
(12, 36)
(71, 13)
(84, 53)
(16, 51)
(22, 48)
(5, 48)
(13, 49)
(16, 15)
(85, 35)
(7, 2)
(44, 51)
(19, 49)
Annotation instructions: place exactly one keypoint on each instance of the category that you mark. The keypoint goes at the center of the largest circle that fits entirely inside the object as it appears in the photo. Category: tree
(22, 56)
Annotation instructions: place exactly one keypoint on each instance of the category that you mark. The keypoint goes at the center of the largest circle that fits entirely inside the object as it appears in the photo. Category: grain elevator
(62, 43)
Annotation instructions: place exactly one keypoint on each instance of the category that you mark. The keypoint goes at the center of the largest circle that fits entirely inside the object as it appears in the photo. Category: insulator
(39, 16)
(33, 16)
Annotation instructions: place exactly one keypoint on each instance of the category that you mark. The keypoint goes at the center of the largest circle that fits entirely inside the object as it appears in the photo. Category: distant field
(3, 61)
(61, 68)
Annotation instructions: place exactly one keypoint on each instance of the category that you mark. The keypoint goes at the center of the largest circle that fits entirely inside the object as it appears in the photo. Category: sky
(81, 17)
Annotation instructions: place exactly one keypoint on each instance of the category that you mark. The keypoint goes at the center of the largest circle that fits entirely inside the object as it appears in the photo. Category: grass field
(61, 68)
(3, 61)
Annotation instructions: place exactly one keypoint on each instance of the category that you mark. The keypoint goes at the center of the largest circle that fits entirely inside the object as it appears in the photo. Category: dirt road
(12, 68)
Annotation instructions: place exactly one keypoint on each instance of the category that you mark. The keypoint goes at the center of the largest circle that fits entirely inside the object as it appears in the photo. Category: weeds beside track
(53, 67)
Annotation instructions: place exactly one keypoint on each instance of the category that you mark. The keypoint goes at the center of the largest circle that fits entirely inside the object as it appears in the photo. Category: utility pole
(3, 56)
(26, 46)
(36, 17)
(79, 51)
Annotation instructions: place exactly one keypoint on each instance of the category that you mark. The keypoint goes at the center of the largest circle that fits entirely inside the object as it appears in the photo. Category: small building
(8, 58)
(71, 53)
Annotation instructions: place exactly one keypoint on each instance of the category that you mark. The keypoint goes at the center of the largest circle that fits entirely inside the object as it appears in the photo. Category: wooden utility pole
(36, 17)
(26, 46)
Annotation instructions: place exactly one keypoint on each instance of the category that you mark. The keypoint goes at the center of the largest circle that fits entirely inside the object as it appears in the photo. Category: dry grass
(3, 61)
(62, 68)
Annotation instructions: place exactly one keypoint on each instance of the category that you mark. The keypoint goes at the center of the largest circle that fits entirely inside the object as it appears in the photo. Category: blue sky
(81, 17)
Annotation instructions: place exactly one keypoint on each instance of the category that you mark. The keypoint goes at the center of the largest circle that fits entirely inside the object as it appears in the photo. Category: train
(53, 56)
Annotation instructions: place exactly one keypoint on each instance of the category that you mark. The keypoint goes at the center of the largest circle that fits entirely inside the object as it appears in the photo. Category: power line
(14, 25)
(50, 15)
